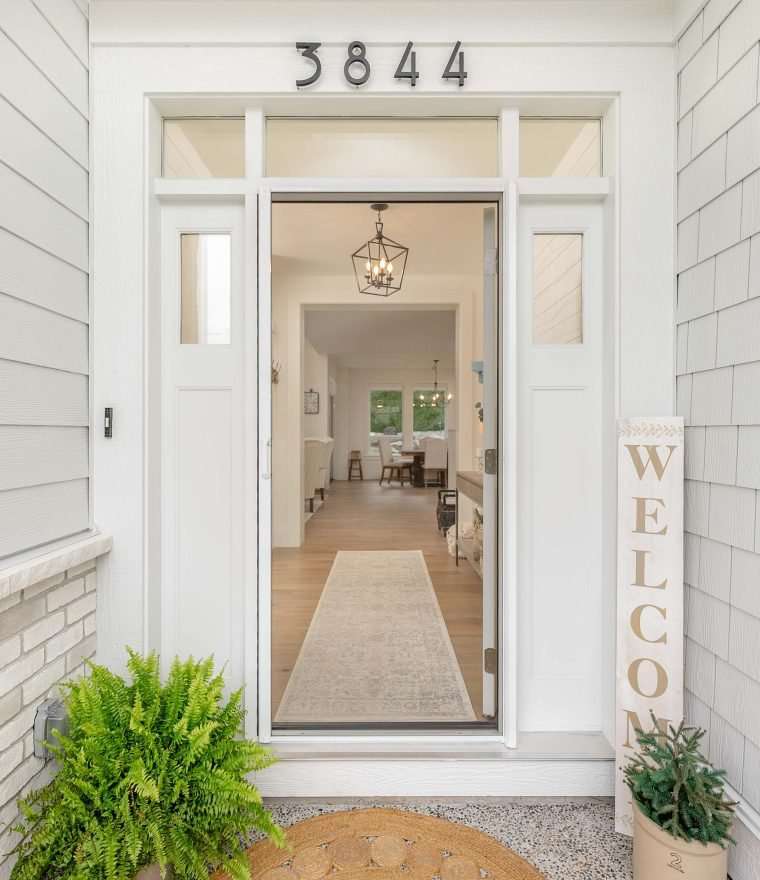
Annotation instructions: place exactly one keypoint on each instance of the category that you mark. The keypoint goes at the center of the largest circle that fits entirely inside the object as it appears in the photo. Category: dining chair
(397, 468)
(436, 461)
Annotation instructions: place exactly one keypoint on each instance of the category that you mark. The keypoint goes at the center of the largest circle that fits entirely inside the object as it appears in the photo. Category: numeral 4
(460, 73)
(412, 73)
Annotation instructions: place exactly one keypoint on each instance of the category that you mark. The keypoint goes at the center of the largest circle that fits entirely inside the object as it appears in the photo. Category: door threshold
(536, 746)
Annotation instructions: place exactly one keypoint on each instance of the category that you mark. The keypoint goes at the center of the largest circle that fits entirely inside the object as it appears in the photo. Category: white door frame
(255, 186)
(258, 668)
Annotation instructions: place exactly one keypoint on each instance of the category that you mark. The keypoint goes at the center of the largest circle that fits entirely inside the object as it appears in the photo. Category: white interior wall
(315, 378)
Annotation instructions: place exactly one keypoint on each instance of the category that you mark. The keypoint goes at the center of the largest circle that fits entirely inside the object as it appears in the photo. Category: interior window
(560, 147)
(429, 413)
(385, 418)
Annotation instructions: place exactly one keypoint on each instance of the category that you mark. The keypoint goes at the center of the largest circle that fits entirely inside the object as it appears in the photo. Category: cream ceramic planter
(658, 855)
(149, 872)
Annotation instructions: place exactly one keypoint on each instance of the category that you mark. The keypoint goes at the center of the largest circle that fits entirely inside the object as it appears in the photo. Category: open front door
(490, 467)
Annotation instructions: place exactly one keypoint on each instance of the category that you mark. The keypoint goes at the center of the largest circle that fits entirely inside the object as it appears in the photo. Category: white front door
(435, 190)
(202, 435)
(489, 440)
(560, 278)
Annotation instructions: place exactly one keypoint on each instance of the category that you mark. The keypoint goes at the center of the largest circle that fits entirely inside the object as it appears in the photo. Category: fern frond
(149, 772)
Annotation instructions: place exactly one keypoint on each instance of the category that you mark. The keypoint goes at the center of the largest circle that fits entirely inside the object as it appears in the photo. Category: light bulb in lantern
(375, 270)
(390, 268)
(382, 264)
(369, 266)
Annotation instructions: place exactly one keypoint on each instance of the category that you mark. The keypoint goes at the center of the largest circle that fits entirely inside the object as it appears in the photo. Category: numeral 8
(357, 54)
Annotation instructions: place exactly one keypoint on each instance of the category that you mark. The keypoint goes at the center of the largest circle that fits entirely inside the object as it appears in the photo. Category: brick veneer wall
(46, 633)
(718, 386)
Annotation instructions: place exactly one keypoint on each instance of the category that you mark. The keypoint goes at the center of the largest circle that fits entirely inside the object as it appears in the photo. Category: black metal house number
(357, 68)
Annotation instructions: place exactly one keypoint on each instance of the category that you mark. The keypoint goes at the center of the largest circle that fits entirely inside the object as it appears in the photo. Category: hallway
(365, 516)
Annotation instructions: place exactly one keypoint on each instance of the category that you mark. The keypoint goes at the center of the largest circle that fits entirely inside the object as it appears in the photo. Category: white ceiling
(443, 238)
(369, 337)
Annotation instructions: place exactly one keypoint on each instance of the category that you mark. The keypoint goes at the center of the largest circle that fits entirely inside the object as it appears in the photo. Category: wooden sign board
(649, 588)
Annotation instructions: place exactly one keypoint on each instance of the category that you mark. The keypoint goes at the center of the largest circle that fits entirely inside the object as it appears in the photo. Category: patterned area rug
(384, 843)
(377, 648)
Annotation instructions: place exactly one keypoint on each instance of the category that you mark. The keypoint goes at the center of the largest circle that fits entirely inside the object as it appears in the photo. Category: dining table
(418, 465)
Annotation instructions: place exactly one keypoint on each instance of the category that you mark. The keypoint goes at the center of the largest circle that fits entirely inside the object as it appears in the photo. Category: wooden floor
(364, 516)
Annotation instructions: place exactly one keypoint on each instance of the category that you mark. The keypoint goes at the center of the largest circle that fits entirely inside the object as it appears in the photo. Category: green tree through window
(428, 420)
(385, 416)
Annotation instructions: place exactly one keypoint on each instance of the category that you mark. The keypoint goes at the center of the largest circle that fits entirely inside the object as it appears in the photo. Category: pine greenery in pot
(682, 817)
(150, 773)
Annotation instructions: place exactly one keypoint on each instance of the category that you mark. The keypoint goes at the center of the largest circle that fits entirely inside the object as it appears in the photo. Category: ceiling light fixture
(379, 265)
(438, 396)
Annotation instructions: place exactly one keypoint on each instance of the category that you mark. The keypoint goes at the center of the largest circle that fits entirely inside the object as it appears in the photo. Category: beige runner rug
(377, 648)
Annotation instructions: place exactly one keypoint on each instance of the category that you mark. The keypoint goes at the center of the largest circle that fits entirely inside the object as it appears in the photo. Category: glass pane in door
(557, 288)
(205, 288)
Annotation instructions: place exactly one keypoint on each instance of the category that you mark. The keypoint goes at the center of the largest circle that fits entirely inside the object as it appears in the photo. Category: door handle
(267, 475)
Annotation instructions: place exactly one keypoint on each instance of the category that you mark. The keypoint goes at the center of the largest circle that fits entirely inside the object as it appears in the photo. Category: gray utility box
(51, 715)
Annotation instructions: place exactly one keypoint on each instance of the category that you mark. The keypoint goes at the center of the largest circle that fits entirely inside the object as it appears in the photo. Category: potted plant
(682, 818)
(150, 774)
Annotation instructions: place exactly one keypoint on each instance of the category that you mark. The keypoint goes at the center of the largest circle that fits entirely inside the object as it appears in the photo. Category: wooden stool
(355, 464)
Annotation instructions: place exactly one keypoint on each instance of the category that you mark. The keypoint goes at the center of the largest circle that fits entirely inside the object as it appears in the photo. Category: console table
(470, 484)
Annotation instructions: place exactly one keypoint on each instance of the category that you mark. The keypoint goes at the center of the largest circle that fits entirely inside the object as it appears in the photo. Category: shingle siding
(718, 387)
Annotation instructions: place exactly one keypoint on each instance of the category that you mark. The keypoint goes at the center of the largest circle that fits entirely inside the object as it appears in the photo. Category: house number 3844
(357, 66)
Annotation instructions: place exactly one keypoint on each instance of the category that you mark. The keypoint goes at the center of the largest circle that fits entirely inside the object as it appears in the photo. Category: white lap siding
(44, 266)
(718, 389)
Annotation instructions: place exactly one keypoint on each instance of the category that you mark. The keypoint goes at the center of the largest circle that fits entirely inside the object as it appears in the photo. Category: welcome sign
(650, 587)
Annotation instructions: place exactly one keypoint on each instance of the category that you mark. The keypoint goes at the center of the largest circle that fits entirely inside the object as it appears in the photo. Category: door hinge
(491, 461)
(490, 660)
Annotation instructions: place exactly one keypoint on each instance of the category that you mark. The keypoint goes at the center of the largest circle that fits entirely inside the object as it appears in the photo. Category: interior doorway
(383, 502)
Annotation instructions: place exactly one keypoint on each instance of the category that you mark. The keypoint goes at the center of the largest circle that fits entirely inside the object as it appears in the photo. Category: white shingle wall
(46, 633)
(718, 387)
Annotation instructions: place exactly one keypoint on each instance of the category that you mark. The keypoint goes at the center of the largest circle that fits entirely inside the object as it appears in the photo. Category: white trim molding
(744, 858)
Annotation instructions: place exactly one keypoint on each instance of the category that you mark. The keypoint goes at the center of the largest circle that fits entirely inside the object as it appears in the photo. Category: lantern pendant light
(438, 396)
(379, 265)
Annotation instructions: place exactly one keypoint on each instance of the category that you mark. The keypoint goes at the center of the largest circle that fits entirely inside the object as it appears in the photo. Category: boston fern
(676, 786)
(149, 773)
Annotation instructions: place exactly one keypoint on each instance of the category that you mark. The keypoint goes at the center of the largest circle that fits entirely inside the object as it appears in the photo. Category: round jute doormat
(382, 843)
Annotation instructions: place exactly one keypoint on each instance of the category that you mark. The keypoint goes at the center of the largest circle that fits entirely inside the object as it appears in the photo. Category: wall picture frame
(310, 402)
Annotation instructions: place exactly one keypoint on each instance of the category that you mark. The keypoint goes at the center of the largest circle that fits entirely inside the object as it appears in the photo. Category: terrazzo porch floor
(565, 838)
